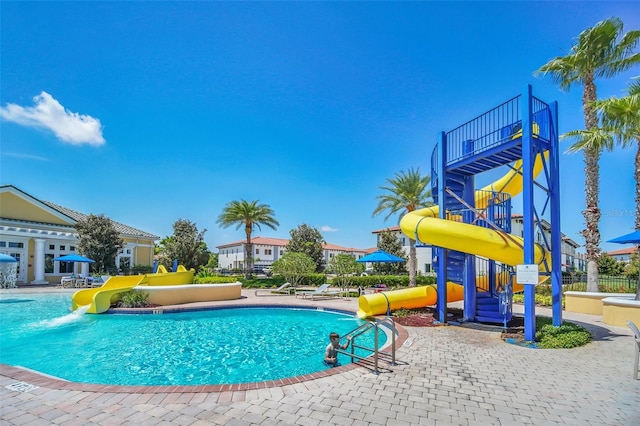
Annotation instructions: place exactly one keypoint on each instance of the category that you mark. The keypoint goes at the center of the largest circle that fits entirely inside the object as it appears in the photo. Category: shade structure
(74, 258)
(5, 258)
(632, 238)
(381, 256)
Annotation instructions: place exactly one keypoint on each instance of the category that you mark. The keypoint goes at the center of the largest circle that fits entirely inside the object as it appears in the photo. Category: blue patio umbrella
(74, 258)
(5, 258)
(381, 256)
(631, 238)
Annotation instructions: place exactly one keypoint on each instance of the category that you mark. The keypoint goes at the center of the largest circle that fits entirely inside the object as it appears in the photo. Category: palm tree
(406, 192)
(620, 119)
(250, 214)
(597, 53)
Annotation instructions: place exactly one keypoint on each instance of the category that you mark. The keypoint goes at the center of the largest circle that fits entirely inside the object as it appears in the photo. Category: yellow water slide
(408, 298)
(101, 298)
(463, 237)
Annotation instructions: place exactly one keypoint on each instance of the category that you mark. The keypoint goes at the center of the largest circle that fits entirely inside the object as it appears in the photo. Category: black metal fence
(606, 283)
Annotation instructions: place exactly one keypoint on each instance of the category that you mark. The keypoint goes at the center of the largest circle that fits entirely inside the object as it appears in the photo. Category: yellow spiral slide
(463, 237)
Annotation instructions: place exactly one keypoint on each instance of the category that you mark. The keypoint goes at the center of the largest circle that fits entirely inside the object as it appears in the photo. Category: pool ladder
(374, 324)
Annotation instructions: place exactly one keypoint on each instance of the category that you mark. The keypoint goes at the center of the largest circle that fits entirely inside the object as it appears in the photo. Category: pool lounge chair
(283, 290)
(636, 359)
(323, 291)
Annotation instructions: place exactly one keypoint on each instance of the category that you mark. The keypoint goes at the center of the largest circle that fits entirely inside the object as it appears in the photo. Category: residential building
(35, 232)
(623, 255)
(572, 260)
(267, 250)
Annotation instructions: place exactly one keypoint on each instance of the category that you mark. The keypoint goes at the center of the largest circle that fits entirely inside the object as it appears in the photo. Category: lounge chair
(636, 359)
(323, 291)
(283, 290)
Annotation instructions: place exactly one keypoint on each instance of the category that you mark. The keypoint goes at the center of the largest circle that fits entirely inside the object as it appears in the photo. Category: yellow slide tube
(461, 237)
(408, 298)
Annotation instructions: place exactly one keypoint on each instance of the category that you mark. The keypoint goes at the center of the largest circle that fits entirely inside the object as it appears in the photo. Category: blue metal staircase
(522, 128)
(487, 142)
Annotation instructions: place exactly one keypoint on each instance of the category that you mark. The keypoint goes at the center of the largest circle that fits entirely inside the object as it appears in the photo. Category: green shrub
(133, 299)
(403, 312)
(391, 281)
(141, 269)
(568, 335)
(276, 281)
(214, 279)
(541, 299)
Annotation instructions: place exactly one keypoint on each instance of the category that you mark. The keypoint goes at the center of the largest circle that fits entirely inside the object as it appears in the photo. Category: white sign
(527, 274)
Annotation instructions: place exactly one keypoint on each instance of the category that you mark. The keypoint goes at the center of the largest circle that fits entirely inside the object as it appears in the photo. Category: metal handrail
(374, 324)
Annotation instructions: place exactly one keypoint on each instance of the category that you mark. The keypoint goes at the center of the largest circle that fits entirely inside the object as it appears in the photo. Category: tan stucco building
(35, 232)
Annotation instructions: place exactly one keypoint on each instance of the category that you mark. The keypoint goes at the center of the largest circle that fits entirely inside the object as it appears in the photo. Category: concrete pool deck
(445, 375)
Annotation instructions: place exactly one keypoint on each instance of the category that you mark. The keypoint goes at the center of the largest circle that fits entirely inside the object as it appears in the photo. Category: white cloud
(24, 156)
(327, 228)
(48, 113)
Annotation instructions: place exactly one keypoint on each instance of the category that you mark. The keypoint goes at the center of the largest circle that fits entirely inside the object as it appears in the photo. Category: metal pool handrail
(374, 324)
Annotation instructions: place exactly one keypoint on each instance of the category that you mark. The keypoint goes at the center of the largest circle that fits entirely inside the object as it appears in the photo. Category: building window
(62, 248)
(13, 244)
(257, 251)
(267, 251)
(48, 263)
(52, 247)
(66, 267)
(427, 267)
(72, 248)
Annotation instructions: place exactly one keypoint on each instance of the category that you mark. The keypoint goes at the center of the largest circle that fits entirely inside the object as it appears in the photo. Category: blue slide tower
(521, 129)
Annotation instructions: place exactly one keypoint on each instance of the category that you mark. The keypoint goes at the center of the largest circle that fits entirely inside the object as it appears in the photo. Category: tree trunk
(591, 212)
(248, 262)
(637, 176)
(412, 263)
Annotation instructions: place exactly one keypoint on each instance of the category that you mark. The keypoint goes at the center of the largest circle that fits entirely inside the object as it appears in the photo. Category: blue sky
(149, 112)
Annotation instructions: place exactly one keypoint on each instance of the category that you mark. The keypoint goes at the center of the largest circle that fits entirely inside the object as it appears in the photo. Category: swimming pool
(219, 346)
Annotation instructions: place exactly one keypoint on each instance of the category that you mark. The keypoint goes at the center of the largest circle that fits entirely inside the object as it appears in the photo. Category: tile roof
(120, 227)
(281, 242)
(628, 250)
(390, 228)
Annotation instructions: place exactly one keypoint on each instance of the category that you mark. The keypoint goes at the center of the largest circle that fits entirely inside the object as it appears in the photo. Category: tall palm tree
(249, 214)
(620, 118)
(597, 53)
(405, 192)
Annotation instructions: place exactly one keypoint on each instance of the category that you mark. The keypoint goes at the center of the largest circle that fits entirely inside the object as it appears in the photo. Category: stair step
(490, 319)
(489, 313)
(487, 302)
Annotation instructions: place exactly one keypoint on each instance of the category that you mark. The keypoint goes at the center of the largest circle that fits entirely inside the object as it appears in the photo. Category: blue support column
(556, 236)
(442, 254)
(469, 301)
(528, 159)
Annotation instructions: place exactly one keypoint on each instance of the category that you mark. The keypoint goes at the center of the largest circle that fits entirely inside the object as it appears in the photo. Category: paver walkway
(446, 376)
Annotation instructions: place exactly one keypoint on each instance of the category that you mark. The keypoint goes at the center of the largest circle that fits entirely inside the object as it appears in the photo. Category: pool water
(220, 346)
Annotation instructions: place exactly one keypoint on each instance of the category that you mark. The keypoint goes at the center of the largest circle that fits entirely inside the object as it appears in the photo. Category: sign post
(528, 275)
